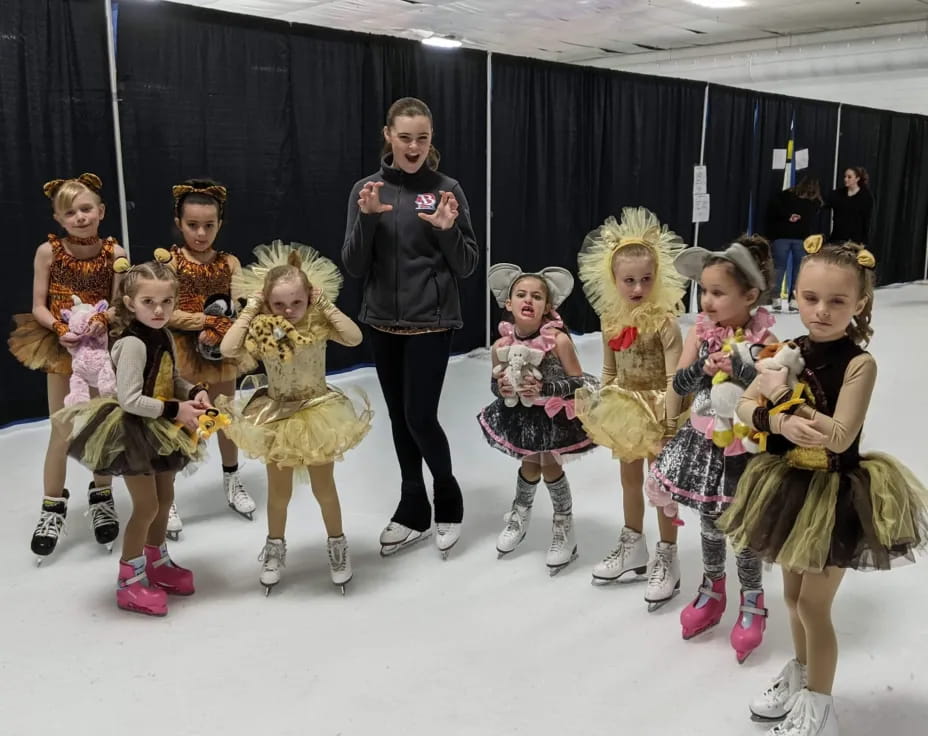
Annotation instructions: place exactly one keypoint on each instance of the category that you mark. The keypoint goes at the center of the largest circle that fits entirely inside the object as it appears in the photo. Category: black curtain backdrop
(56, 118)
(288, 117)
(892, 147)
(572, 146)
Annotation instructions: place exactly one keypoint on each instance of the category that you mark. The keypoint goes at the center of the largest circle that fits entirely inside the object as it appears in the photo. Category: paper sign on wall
(802, 159)
(779, 158)
(700, 182)
(700, 208)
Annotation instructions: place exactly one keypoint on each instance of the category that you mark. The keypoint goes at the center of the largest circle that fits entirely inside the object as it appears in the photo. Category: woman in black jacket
(793, 216)
(852, 206)
(409, 236)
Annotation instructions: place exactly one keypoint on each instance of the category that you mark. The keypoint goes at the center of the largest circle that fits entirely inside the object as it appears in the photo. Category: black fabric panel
(56, 118)
(572, 146)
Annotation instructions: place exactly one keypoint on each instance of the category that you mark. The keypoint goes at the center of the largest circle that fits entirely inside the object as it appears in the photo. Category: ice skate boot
(132, 593)
(339, 561)
(777, 700)
(748, 631)
(103, 518)
(563, 548)
(175, 525)
(447, 535)
(812, 714)
(164, 573)
(396, 536)
(515, 530)
(50, 526)
(236, 495)
(274, 557)
(629, 556)
(706, 610)
(664, 577)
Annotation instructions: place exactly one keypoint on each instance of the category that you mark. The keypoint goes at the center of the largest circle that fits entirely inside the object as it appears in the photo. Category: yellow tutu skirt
(805, 520)
(194, 367)
(298, 433)
(38, 348)
(110, 441)
(625, 421)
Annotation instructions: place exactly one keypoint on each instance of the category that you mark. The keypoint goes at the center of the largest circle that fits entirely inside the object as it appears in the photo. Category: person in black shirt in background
(793, 215)
(852, 206)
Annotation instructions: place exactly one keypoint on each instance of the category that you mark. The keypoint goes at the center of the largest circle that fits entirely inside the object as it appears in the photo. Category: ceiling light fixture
(720, 3)
(442, 42)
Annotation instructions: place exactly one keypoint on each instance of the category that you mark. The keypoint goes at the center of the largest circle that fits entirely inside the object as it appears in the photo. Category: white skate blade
(768, 719)
(173, 536)
(244, 514)
(555, 569)
(386, 550)
(655, 605)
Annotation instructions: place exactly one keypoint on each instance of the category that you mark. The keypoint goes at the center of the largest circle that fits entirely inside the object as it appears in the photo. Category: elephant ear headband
(503, 276)
(691, 262)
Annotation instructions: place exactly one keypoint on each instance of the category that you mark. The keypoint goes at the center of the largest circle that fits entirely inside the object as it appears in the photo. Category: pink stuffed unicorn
(90, 358)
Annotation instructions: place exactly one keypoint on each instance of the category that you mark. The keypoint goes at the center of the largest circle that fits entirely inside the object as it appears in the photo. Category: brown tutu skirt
(110, 441)
(194, 367)
(38, 348)
(807, 520)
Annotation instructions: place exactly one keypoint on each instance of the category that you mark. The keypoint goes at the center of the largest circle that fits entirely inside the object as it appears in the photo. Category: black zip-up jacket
(410, 269)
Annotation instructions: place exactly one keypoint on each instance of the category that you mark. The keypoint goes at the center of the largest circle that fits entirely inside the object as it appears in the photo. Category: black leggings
(411, 370)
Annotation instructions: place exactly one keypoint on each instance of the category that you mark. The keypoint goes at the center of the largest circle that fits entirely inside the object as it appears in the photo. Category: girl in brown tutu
(203, 316)
(145, 434)
(813, 503)
(80, 264)
(298, 422)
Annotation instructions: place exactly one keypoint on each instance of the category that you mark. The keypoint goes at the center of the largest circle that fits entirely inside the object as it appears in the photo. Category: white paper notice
(779, 158)
(700, 182)
(802, 159)
(700, 208)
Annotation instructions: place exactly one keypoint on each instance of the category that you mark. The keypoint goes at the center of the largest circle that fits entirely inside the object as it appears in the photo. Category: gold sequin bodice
(301, 378)
(641, 366)
(91, 279)
(198, 281)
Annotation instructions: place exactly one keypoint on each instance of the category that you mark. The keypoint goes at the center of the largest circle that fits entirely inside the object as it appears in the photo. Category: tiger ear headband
(216, 191)
(503, 276)
(865, 259)
(122, 265)
(91, 181)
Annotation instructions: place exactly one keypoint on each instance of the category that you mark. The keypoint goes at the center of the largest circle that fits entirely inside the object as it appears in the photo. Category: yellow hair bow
(813, 244)
(866, 259)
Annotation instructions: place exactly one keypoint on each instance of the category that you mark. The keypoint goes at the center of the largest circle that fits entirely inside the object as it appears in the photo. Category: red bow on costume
(625, 339)
(554, 404)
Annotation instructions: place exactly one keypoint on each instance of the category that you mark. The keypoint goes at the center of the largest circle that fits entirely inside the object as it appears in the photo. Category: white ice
(422, 647)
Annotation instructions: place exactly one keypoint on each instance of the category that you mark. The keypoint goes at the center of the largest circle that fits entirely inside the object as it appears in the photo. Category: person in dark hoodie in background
(409, 237)
(852, 205)
(793, 216)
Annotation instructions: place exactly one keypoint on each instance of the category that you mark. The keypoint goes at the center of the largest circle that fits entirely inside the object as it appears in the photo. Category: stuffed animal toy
(210, 422)
(725, 394)
(219, 311)
(518, 362)
(776, 355)
(90, 359)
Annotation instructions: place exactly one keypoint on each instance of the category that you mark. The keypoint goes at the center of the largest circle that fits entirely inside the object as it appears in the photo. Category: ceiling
(601, 32)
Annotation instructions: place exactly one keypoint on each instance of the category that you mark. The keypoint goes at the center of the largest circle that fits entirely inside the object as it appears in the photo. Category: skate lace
(558, 535)
(238, 492)
(274, 555)
(660, 570)
(172, 512)
(50, 524)
(443, 528)
(514, 523)
(621, 552)
(801, 719)
(102, 514)
(337, 555)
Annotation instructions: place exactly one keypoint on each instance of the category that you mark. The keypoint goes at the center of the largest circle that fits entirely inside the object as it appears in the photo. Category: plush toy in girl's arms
(91, 366)
(518, 363)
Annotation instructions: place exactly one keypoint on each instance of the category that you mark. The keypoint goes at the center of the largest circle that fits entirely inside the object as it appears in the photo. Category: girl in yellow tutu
(142, 434)
(297, 421)
(202, 317)
(80, 264)
(628, 275)
(813, 503)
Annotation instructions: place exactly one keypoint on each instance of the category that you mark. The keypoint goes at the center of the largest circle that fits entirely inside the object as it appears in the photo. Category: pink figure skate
(748, 632)
(696, 620)
(133, 595)
(164, 573)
